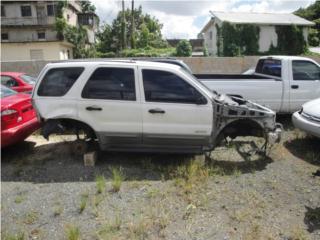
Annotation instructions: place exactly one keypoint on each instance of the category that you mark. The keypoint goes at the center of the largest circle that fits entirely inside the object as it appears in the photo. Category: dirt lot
(47, 193)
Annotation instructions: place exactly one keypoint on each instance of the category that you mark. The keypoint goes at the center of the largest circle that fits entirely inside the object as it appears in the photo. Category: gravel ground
(47, 193)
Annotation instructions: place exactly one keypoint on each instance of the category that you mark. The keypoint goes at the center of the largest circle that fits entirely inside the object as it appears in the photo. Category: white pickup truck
(281, 83)
(143, 106)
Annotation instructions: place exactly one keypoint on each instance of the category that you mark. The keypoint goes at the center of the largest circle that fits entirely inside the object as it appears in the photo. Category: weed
(58, 209)
(117, 178)
(19, 199)
(110, 229)
(100, 184)
(18, 236)
(139, 230)
(72, 233)
(152, 193)
(97, 199)
(298, 234)
(83, 202)
(31, 217)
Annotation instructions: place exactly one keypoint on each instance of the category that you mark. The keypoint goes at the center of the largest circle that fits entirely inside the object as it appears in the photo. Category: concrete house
(267, 23)
(28, 30)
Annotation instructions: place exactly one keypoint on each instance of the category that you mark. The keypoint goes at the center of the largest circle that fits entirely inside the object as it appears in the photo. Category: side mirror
(201, 100)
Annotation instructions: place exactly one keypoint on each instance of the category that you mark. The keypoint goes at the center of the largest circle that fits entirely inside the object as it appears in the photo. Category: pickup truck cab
(143, 106)
(281, 83)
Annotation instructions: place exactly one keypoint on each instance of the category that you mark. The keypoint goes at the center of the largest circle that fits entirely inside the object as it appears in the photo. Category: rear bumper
(306, 125)
(19, 133)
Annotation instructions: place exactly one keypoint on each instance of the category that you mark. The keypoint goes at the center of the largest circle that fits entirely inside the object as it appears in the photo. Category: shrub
(184, 49)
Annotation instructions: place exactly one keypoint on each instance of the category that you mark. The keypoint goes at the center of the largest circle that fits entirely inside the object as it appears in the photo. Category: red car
(18, 118)
(17, 81)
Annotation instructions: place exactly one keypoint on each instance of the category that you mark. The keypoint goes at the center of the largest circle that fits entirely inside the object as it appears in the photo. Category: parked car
(19, 82)
(143, 106)
(18, 118)
(281, 83)
(308, 118)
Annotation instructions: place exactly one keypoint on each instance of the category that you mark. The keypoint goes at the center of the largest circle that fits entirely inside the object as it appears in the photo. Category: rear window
(6, 92)
(269, 67)
(58, 81)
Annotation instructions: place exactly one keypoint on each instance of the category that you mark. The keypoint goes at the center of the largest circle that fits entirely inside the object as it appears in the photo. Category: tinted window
(9, 81)
(269, 67)
(28, 79)
(161, 86)
(305, 70)
(26, 11)
(58, 81)
(4, 36)
(111, 83)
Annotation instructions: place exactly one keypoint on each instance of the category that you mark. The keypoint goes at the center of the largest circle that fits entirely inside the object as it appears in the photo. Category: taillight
(10, 117)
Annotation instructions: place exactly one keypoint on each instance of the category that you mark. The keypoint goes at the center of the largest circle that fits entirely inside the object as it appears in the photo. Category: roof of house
(260, 18)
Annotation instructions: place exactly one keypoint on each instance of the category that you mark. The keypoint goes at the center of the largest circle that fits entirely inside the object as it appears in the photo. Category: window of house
(111, 83)
(210, 35)
(162, 86)
(3, 12)
(26, 11)
(305, 70)
(58, 81)
(51, 10)
(4, 36)
(41, 35)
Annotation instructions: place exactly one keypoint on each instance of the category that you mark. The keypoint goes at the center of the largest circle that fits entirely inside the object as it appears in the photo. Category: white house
(266, 21)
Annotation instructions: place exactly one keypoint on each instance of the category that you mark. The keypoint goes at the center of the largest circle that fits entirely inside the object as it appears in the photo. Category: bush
(106, 54)
(148, 52)
(184, 49)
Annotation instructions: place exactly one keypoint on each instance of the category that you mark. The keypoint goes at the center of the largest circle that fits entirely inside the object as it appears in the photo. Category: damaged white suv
(143, 106)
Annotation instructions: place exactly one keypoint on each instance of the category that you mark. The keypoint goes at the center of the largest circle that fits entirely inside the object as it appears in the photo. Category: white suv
(143, 106)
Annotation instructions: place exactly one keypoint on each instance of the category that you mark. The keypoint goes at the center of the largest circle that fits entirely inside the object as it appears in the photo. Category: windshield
(28, 79)
(5, 92)
(212, 94)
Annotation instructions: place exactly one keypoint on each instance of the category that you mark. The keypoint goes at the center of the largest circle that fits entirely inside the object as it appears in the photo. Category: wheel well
(241, 127)
(65, 125)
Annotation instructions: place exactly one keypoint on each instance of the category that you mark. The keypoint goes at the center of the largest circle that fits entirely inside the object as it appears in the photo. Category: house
(28, 30)
(267, 23)
(196, 44)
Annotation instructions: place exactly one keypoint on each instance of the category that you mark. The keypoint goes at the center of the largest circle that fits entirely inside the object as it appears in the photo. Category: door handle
(294, 86)
(156, 110)
(92, 108)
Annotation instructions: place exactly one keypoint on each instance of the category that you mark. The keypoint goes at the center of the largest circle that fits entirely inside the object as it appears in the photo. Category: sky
(185, 19)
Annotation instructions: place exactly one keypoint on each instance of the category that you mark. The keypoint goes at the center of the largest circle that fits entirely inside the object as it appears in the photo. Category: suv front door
(110, 103)
(175, 114)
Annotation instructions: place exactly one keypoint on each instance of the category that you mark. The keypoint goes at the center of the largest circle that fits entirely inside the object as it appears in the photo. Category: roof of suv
(91, 62)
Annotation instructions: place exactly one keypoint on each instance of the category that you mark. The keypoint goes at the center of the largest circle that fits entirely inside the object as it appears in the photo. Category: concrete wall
(22, 51)
(197, 64)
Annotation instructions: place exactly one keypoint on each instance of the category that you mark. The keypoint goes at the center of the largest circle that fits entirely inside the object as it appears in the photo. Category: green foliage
(184, 49)
(312, 13)
(87, 6)
(205, 52)
(290, 40)
(148, 52)
(147, 32)
(235, 40)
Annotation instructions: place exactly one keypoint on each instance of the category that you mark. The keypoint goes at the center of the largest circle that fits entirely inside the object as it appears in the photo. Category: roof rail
(95, 60)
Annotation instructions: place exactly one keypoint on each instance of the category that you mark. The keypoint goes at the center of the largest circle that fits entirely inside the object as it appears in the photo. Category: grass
(17, 236)
(100, 184)
(139, 230)
(31, 217)
(117, 179)
(72, 233)
(83, 202)
(58, 209)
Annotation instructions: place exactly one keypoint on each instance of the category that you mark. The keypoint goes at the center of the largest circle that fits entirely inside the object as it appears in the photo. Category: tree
(312, 13)
(147, 32)
(184, 49)
(87, 6)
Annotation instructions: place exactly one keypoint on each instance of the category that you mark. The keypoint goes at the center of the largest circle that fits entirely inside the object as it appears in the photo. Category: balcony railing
(27, 21)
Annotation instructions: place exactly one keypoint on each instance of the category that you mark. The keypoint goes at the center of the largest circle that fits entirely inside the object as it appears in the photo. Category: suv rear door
(110, 103)
(175, 114)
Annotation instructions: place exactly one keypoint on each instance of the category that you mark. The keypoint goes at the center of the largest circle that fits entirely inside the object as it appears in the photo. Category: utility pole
(133, 40)
(123, 28)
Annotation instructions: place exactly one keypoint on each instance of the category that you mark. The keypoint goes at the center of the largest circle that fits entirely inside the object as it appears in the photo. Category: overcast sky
(185, 19)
